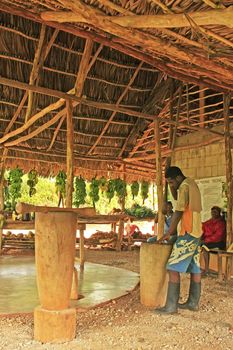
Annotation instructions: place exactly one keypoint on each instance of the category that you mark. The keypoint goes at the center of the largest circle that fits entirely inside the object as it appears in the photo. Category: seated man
(168, 212)
(214, 234)
(132, 230)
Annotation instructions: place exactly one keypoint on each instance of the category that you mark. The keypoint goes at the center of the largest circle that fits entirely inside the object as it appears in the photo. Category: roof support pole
(159, 179)
(69, 154)
(228, 156)
(202, 107)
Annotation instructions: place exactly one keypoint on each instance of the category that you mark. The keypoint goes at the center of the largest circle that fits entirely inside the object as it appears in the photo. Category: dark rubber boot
(194, 296)
(173, 294)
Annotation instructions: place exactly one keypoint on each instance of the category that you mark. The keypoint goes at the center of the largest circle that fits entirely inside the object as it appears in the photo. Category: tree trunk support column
(81, 228)
(54, 320)
(159, 179)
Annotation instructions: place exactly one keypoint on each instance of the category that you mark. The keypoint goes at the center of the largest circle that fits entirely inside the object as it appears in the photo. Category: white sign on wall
(211, 194)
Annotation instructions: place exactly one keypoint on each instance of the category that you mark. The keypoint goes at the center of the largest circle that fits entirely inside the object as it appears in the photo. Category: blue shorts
(185, 255)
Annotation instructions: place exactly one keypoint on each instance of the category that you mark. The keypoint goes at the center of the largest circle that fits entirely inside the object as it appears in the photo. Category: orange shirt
(189, 202)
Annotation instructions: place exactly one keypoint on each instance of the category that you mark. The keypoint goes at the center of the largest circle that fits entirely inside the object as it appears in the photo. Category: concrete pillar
(55, 238)
(153, 275)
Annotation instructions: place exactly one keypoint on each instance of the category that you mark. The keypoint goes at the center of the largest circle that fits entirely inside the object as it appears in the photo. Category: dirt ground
(126, 324)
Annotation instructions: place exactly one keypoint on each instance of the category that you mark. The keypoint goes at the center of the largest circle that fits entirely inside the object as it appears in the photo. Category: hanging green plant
(144, 190)
(80, 192)
(94, 191)
(60, 183)
(134, 189)
(15, 183)
(110, 190)
(120, 188)
(103, 184)
(7, 200)
(32, 181)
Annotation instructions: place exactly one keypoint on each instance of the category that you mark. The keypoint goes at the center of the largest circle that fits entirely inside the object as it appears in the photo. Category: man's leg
(174, 276)
(173, 294)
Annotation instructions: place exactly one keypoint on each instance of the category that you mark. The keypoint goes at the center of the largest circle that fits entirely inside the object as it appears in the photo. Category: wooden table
(81, 226)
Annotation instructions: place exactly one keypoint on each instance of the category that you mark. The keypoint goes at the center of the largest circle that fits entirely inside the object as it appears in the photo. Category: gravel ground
(126, 324)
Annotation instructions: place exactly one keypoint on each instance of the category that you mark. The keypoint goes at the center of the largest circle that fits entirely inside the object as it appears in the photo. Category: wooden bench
(223, 254)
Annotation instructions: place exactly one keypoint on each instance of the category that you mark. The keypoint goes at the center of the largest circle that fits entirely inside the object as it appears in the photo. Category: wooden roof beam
(119, 45)
(146, 41)
(202, 18)
(65, 96)
(37, 63)
(79, 83)
(117, 103)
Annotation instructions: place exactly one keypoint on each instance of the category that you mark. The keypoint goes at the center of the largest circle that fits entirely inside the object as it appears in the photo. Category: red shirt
(214, 230)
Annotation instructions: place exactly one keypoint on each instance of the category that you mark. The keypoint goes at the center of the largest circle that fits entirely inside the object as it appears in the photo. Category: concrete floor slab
(97, 283)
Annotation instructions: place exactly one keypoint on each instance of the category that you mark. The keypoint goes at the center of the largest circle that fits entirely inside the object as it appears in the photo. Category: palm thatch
(120, 70)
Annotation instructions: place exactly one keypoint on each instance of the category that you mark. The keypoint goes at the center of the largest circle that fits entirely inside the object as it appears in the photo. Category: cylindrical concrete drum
(153, 275)
(55, 252)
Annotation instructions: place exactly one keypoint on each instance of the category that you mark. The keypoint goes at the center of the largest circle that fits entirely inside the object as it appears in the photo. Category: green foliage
(144, 190)
(103, 184)
(135, 189)
(45, 194)
(80, 192)
(94, 190)
(110, 190)
(140, 211)
(15, 183)
(120, 188)
(61, 183)
(32, 181)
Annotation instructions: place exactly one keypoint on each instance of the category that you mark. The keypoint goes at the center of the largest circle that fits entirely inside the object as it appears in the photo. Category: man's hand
(164, 238)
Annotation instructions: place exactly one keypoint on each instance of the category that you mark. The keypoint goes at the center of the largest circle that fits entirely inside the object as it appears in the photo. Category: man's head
(169, 207)
(174, 176)
(215, 212)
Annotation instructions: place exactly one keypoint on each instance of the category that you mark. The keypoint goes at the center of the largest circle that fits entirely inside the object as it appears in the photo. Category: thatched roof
(120, 68)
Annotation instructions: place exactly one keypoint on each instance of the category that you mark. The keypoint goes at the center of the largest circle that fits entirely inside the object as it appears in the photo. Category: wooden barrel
(55, 251)
(153, 274)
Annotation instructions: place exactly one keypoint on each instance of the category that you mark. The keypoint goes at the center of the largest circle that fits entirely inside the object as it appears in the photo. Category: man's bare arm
(176, 217)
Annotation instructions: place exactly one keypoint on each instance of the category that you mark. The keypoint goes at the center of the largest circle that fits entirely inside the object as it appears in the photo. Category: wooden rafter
(117, 103)
(213, 5)
(210, 17)
(168, 32)
(38, 58)
(79, 83)
(146, 41)
(121, 46)
(151, 126)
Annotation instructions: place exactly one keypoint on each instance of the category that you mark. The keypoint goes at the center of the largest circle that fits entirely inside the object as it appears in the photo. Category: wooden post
(202, 107)
(54, 320)
(74, 287)
(1, 207)
(81, 228)
(228, 156)
(159, 179)
(123, 199)
(70, 154)
(2, 171)
(70, 171)
(120, 235)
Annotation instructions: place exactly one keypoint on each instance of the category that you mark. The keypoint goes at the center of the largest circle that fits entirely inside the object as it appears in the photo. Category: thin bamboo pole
(70, 154)
(159, 179)
(228, 156)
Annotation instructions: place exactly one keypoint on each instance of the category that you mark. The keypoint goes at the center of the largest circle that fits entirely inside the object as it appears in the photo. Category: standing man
(185, 253)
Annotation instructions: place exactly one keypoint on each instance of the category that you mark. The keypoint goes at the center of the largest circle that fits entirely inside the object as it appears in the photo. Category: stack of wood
(101, 239)
(20, 241)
